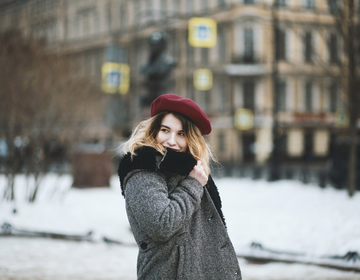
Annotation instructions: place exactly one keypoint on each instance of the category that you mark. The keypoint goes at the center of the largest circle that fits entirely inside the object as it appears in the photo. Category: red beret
(185, 106)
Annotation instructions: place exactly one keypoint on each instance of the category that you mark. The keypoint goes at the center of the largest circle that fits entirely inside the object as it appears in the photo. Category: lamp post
(158, 67)
(274, 157)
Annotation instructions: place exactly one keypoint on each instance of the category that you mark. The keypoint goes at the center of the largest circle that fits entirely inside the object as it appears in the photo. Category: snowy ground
(285, 215)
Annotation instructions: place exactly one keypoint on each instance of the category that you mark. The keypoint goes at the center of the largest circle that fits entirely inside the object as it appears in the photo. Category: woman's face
(171, 134)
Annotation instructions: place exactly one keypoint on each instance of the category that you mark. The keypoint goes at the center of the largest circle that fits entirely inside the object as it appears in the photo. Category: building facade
(284, 54)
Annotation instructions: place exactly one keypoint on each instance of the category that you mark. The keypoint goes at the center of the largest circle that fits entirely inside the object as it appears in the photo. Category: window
(163, 8)
(43, 6)
(107, 17)
(280, 3)
(204, 56)
(221, 142)
(190, 90)
(52, 5)
(89, 63)
(248, 45)
(221, 3)
(309, 4)
(308, 96)
(46, 30)
(98, 63)
(308, 145)
(67, 28)
(96, 22)
(189, 6)
(248, 147)
(123, 16)
(51, 31)
(249, 95)
(221, 93)
(204, 4)
(138, 9)
(308, 47)
(190, 55)
(333, 6)
(175, 7)
(136, 56)
(148, 11)
(86, 24)
(76, 29)
(205, 100)
(221, 45)
(282, 142)
(280, 40)
(86, 18)
(40, 7)
(333, 49)
(281, 95)
(333, 96)
(173, 46)
(248, 2)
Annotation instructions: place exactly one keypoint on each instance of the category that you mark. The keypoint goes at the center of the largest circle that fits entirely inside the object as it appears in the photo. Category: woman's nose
(171, 139)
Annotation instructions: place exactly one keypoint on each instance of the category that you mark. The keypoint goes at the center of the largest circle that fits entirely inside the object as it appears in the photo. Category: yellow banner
(244, 119)
(202, 32)
(203, 79)
(342, 118)
(115, 77)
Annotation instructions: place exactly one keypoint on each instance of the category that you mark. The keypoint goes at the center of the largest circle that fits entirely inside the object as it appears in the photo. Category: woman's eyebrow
(165, 126)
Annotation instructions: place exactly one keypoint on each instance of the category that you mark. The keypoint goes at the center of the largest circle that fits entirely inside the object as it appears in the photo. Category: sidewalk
(47, 259)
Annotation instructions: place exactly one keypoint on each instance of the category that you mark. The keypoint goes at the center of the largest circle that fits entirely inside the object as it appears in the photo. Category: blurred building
(247, 68)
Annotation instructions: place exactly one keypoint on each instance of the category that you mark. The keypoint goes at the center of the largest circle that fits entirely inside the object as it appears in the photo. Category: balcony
(246, 69)
(245, 59)
(246, 65)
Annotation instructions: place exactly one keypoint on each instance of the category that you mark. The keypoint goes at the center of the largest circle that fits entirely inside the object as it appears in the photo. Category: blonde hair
(146, 131)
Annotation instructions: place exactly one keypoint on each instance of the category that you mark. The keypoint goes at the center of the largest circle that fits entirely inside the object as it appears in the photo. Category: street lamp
(274, 172)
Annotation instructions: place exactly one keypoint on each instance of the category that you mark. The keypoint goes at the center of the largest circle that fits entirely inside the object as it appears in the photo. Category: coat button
(143, 245)
(210, 219)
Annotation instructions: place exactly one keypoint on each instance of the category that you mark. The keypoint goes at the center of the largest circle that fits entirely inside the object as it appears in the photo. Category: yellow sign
(342, 118)
(244, 119)
(203, 79)
(202, 32)
(115, 77)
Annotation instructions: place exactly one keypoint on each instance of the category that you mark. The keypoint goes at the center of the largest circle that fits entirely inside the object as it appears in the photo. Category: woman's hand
(199, 174)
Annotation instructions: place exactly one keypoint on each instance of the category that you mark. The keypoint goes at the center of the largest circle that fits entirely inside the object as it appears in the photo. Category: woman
(173, 205)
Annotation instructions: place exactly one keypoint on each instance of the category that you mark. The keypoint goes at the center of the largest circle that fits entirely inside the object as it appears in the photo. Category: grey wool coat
(180, 232)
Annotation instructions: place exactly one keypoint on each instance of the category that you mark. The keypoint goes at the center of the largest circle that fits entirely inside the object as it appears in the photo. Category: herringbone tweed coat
(180, 232)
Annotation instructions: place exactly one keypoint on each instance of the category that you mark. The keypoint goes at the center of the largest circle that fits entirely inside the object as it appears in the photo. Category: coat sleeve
(159, 214)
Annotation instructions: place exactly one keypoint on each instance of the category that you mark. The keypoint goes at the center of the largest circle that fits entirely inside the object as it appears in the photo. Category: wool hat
(185, 106)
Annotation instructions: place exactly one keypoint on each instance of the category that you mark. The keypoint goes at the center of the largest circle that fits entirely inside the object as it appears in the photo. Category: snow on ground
(285, 215)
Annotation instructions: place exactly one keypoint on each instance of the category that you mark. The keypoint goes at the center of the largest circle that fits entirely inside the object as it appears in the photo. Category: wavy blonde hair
(146, 131)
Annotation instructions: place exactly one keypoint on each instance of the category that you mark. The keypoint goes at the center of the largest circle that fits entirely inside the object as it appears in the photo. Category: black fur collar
(171, 162)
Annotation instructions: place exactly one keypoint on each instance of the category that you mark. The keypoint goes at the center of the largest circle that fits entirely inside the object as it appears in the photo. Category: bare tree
(42, 105)
(347, 22)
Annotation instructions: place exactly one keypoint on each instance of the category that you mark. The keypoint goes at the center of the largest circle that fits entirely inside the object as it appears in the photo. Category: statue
(158, 68)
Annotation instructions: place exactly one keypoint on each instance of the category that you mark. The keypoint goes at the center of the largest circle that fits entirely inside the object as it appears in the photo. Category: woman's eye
(164, 130)
(182, 134)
